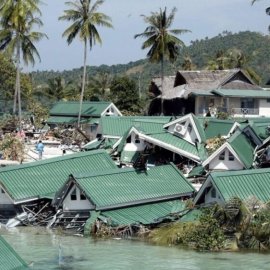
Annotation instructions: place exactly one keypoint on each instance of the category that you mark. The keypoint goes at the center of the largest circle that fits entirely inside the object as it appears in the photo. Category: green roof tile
(126, 187)
(243, 147)
(144, 214)
(9, 259)
(40, 178)
(71, 108)
(176, 141)
(242, 93)
(243, 184)
(118, 126)
(216, 127)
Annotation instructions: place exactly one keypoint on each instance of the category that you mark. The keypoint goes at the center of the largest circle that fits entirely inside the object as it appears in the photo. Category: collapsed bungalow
(220, 187)
(125, 190)
(236, 153)
(66, 113)
(207, 91)
(42, 179)
(180, 141)
(9, 259)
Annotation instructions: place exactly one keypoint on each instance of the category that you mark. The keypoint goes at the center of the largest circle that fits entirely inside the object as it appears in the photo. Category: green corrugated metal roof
(201, 93)
(143, 214)
(197, 171)
(71, 108)
(126, 187)
(176, 141)
(93, 144)
(129, 156)
(9, 259)
(117, 126)
(216, 127)
(191, 215)
(242, 93)
(243, 184)
(61, 120)
(39, 178)
(243, 147)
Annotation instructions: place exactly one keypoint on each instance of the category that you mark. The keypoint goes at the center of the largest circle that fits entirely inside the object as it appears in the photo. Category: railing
(245, 111)
(238, 111)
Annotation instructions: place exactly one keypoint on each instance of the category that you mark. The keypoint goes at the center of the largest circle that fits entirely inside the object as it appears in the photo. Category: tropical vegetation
(17, 38)
(85, 18)
(161, 40)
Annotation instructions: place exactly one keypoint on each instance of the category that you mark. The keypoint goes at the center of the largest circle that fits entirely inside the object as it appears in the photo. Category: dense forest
(254, 46)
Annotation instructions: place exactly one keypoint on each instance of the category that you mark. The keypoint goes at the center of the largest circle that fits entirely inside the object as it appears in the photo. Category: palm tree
(161, 40)
(17, 38)
(85, 18)
(267, 10)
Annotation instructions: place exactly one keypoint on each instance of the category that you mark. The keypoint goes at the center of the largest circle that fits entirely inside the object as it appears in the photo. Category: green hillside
(255, 47)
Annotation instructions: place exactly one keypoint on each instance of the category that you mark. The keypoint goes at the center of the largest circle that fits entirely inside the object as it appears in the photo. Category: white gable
(75, 200)
(185, 128)
(111, 110)
(224, 158)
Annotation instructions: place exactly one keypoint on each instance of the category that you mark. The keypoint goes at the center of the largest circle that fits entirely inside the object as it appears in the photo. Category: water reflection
(50, 250)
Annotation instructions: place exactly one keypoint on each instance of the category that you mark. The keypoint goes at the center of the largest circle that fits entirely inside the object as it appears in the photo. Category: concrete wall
(78, 204)
(264, 107)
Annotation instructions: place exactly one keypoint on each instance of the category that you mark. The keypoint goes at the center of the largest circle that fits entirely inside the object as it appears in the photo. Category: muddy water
(48, 250)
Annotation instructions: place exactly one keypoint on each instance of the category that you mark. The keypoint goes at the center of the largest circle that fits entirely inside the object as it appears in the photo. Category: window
(189, 128)
(129, 139)
(137, 140)
(213, 193)
(231, 157)
(222, 156)
(73, 195)
(82, 196)
(268, 100)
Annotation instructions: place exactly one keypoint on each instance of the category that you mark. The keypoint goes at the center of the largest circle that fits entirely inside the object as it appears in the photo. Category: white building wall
(77, 204)
(4, 199)
(225, 164)
(135, 145)
(264, 107)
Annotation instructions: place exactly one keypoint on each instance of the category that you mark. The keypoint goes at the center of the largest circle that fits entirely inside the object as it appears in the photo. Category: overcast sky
(202, 17)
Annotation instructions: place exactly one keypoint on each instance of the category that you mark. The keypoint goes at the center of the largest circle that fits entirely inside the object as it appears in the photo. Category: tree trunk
(18, 85)
(162, 86)
(83, 81)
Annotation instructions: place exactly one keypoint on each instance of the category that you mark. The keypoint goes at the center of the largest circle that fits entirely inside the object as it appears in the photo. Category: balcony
(232, 111)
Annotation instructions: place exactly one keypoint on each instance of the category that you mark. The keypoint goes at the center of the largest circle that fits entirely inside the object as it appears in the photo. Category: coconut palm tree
(267, 10)
(161, 40)
(85, 18)
(17, 38)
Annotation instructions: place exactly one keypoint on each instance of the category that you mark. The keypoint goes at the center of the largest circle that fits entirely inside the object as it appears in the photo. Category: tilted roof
(9, 259)
(71, 108)
(215, 127)
(143, 214)
(178, 145)
(243, 184)
(126, 187)
(41, 178)
(243, 146)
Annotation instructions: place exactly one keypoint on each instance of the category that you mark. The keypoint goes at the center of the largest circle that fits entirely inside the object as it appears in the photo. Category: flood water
(48, 250)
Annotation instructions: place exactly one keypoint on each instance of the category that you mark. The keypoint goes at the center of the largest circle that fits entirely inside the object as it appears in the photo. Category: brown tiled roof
(187, 82)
